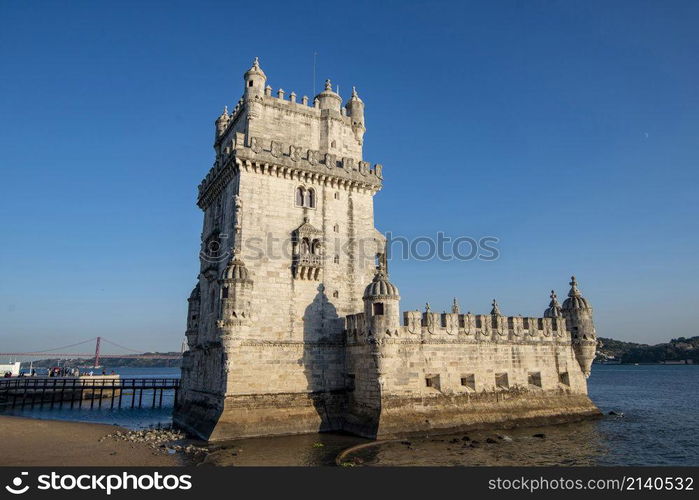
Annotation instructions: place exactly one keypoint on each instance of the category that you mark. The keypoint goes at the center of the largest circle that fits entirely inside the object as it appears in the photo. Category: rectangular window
(378, 309)
(432, 381)
(534, 379)
(564, 378)
(501, 381)
(469, 381)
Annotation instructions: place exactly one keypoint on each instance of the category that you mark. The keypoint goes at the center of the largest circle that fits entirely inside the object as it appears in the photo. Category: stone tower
(288, 246)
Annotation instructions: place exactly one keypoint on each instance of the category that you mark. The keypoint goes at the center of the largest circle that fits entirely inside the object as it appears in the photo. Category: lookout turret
(328, 99)
(255, 80)
(382, 304)
(554, 308)
(355, 110)
(578, 314)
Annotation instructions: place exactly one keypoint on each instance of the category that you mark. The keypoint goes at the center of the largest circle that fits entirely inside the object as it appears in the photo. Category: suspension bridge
(59, 352)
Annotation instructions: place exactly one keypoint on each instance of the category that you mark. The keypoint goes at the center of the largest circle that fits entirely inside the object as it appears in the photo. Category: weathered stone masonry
(293, 327)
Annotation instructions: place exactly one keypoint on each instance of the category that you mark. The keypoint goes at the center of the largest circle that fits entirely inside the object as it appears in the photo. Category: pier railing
(74, 391)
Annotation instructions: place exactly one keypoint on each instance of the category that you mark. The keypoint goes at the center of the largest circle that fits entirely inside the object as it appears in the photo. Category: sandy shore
(30, 442)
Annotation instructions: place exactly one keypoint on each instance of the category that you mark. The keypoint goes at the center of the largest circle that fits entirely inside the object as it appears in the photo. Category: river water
(660, 426)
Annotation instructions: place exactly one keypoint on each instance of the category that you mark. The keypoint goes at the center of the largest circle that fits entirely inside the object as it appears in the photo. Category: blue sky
(568, 130)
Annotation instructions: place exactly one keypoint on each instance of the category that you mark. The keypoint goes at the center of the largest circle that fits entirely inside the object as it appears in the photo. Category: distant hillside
(114, 362)
(678, 349)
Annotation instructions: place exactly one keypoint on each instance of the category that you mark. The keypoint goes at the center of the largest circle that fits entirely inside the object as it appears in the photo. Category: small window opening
(336, 294)
(337, 196)
(432, 381)
(501, 381)
(534, 379)
(378, 309)
(564, 378)
(250, 83)
(469, 381)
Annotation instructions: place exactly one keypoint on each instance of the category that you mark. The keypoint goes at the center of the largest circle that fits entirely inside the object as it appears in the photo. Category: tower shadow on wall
(323, 360)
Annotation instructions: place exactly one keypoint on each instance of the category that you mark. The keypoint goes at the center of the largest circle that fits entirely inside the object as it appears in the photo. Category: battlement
(277, 158)
(456, 327)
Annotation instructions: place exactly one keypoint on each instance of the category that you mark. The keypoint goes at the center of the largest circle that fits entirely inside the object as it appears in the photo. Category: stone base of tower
(402, 416)
(265, 415)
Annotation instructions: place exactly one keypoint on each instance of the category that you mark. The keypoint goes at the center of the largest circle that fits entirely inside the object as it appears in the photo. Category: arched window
(300, 196)
(310, 198)
(315, 247)
(336, 260)
(305, 197)
(305, 246)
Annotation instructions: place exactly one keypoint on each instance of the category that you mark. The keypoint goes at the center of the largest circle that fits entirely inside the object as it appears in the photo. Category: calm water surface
(660, 426)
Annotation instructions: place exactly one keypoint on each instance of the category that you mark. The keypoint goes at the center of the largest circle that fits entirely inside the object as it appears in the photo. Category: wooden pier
(72, 392)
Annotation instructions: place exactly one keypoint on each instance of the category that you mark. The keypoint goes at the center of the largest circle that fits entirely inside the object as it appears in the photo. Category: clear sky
(568, 130)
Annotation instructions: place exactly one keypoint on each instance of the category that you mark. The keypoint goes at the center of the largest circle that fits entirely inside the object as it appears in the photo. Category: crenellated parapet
(421, 326)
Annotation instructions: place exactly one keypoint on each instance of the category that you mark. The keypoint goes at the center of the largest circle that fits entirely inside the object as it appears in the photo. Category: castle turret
(193, 317)
(578, 314)
(236, 288)
(355, 110)
(554, 308)
(255, 80)
(222, 122)
(328, 99)
(381, 305)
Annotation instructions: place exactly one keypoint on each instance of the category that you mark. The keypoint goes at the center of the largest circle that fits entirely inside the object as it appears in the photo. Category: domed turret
(222, 122)
(495, 311)
(236, 287)
(193, 316)
(255, 80)
(381, 305)
(575, 300)
(380, 287)
(578, 314)
(236, 271)
(355, 110)
(328, 99)
(554, 308)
